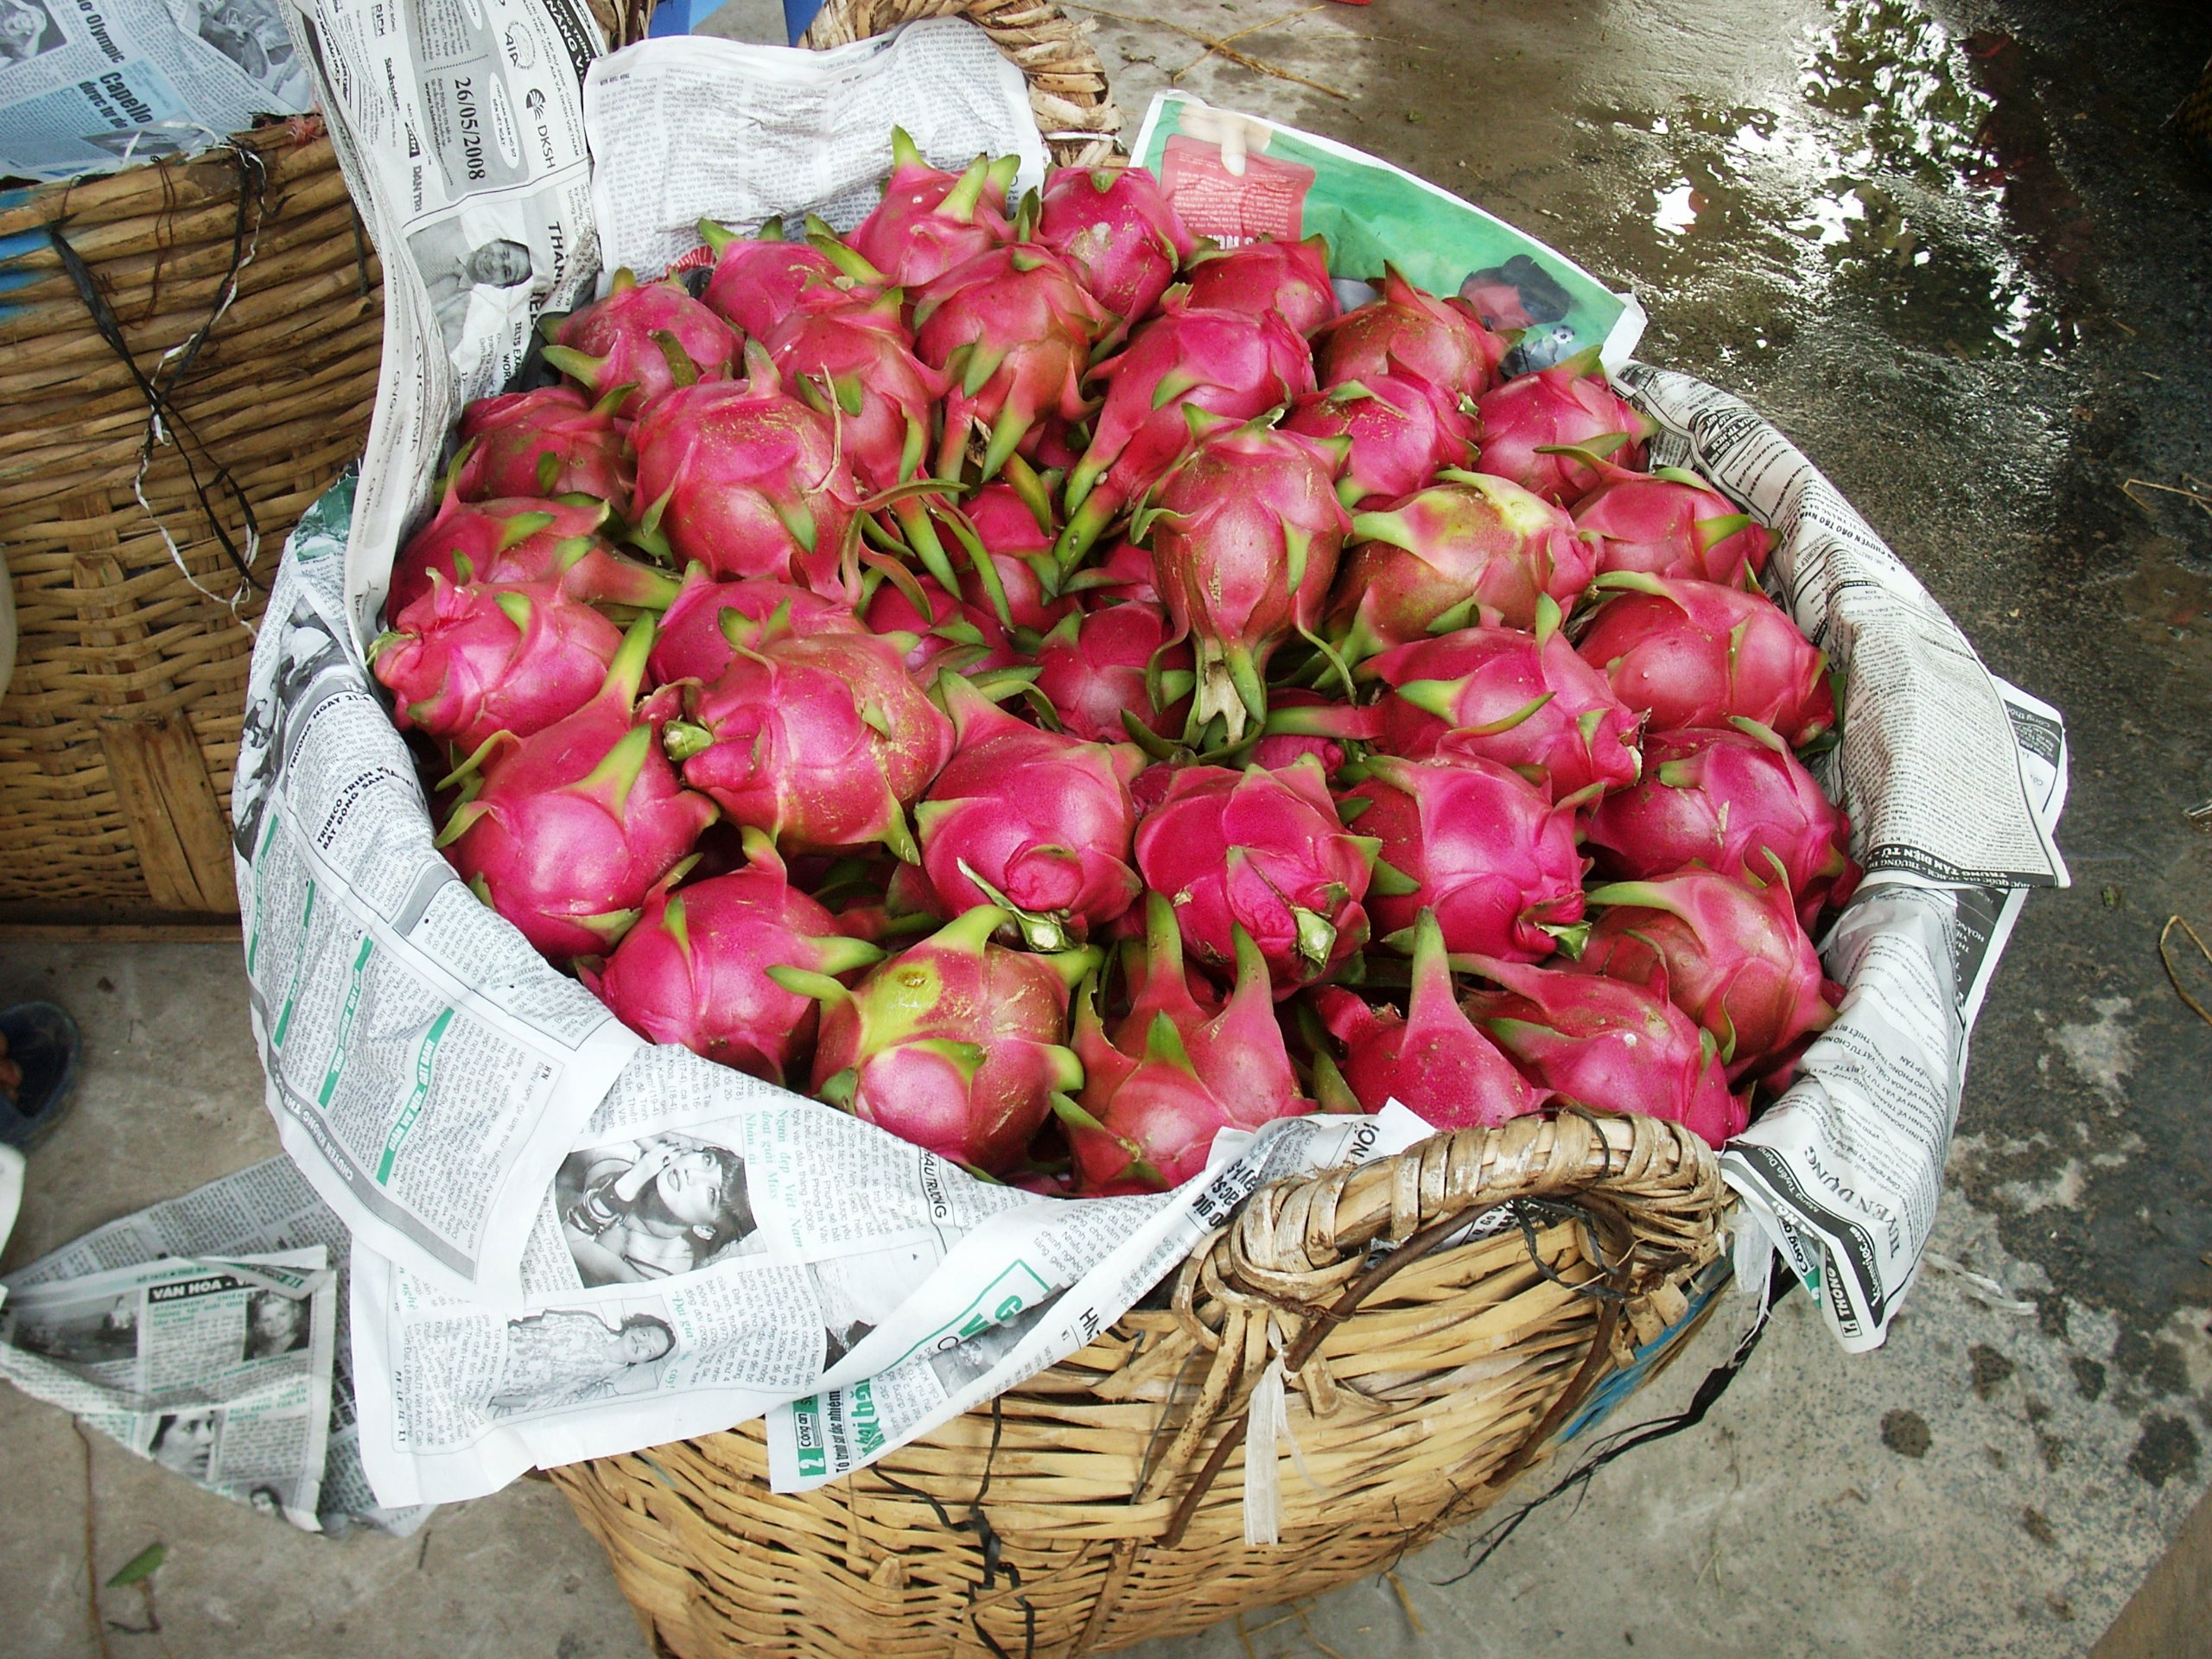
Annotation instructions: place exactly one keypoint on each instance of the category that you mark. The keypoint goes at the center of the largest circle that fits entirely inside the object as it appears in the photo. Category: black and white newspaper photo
(218, 1368)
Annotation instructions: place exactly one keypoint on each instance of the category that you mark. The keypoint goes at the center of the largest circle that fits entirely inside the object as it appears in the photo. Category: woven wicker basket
(1101, 1503)
(119, 731)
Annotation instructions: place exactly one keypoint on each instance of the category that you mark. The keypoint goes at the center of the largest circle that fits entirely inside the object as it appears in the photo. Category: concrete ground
(1950, 247)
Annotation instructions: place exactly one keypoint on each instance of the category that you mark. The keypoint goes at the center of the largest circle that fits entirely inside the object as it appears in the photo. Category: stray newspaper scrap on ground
(263, 1212)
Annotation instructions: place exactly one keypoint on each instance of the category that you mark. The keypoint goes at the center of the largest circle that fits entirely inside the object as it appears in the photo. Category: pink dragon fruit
(565, 831)
(463, 662)
(1534, 424)
(1262, 850)
(1245, 534)
(1118, 231)
(1671, 523)
(747, 480)
(1727, 952)
(853, 363)
(1005, 518)
(695, 969)
(821, 741)
(1608, 1044)
(1152, 786)
(1011, 329)
(1153, 1099)
(1431, 1059)
(1183, 365)
(1469, 549)
(1524, 699)
(930, 221)
(1156, 980)
(1306, 722)
(545, 442)
(1695, 653)
(696, 640)
(1126, 572)
(1734, 800)
(1476, 843)
(1006, 532)
(1286, 279)
(647, 336)
(1098, 671)
(1410, 332)
(941, 633)
(955, 1045)
(758, 282)
(1034, 822)
(1403, 432)
(517, 542)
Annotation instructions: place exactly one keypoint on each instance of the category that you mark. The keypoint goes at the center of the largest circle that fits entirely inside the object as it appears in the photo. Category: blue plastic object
(681, 16)
(798, 17)
(42, 1040)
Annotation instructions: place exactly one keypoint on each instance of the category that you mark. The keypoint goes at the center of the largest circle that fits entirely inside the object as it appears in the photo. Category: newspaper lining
(461, 132)
(568, 1244)
(1955, 782)
(91, 86)
(667, 117)
(426, 1067)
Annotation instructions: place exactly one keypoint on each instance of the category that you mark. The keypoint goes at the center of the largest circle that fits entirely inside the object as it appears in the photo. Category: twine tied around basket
(1275, 1275)
(165, 422)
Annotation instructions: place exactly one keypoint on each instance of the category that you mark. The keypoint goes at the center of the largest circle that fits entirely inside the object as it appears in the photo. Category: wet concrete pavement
(1951, 251)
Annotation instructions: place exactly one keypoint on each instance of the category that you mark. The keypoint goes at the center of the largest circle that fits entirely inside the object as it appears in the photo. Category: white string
(1264, 1423)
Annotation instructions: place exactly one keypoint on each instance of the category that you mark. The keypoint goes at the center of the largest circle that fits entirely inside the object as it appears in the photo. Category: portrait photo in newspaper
(252, 35)
(26, 29)
(184, 1442)
(275, 1324)
(571, 1356)
(957, 1364)
(310, 650)
(456, 265)
(631, 1210)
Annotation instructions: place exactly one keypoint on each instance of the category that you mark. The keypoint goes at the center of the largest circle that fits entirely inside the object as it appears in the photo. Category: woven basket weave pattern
(1101, 1503)
(119, 734)
(1067, 86)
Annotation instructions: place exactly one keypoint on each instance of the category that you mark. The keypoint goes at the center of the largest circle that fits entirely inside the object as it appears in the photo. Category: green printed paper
(1295, 184)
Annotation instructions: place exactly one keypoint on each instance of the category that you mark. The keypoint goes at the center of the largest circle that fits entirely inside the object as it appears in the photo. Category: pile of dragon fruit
(1055, 690)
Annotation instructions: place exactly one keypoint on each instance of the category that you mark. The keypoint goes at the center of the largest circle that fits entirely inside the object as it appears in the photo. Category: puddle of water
(1877, 179)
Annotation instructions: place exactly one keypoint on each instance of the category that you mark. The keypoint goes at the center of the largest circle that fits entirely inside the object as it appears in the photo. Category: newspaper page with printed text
(265, 1208)
(217, 1368)
(670, 117)
(92, 85)
(461, 131)
(1955, 782)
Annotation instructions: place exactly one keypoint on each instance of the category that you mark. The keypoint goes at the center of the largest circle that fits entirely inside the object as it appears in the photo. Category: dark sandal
(43, 1041)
